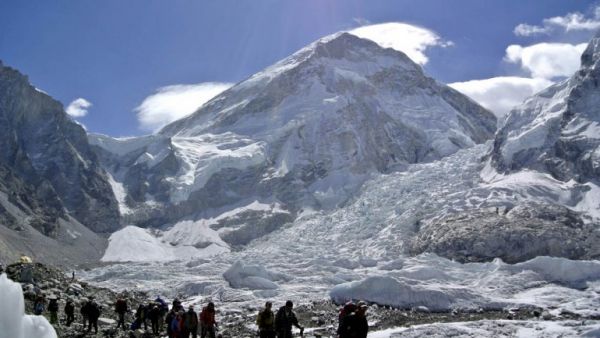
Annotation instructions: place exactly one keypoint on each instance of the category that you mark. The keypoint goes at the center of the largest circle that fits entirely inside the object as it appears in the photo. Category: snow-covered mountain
(541, 180)
(305, 133)
(53, 193)
(558, 130)
(555, 137)
(457, 233)
(389, 189)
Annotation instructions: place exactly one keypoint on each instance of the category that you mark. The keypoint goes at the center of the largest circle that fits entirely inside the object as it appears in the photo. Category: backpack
(135, 325)
(69, 308)
(190, 320)
(94, 311)
(175, 325)
(39, 308)
(265, 319)
(169, 318)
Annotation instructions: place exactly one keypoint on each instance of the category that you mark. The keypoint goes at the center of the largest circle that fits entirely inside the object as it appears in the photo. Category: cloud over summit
(409, 39)
(171, 103)
(78, 107)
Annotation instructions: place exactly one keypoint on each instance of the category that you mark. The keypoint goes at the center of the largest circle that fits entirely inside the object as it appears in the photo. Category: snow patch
(254, 277)
(134, 244)
(384, 290)
(560, 270)
(120, 194)
(74, 234)
(13, 321)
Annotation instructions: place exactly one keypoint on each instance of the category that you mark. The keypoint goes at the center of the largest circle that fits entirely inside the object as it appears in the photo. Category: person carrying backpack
(266, 322)
(346, 310)
(70, 311)
(164, 309)
(168, 320)
(177, 325)
(208, 325)
(84, 311)
(154, 316)
(53, 309)
(121, 309)
(93, 315)
(140, 316)
(190, 323)
(355, 325)
(284, 320)
(38, 306)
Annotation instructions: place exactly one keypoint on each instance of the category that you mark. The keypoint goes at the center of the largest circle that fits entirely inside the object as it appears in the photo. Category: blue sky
(118, 60)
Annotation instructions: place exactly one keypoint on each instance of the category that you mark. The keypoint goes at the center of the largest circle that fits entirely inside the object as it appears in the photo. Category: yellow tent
(25, 259)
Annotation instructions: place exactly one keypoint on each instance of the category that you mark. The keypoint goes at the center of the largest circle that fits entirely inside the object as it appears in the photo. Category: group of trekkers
(270, 325)
(352, 321)
(179, 323)
(90, 311)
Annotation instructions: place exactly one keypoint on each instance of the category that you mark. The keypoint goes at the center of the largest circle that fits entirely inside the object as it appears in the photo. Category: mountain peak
(338, 62)
(349, 46)
(592, 53)
(322, 121)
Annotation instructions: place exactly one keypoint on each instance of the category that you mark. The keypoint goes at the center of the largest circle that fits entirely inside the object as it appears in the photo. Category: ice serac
(558, 130)
(14, 322)
(305, 133)
(49, 176)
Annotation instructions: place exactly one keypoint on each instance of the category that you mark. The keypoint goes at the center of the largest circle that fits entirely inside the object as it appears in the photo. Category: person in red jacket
(121, 309)
(208, 324)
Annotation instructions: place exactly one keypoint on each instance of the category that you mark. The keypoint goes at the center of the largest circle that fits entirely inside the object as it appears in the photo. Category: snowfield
(496, 329)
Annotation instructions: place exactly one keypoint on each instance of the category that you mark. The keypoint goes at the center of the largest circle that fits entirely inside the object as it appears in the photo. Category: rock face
(558, 130)
(53, 193)
(516, 235)
(305, 133)
(46, 164)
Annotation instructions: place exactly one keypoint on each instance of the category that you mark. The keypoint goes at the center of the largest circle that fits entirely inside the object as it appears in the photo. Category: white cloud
(547, 60)
(524, 29)
(542, 63)
(171, 103)
(79, 107)
(412, 40)
(568, 23)
(501, 94)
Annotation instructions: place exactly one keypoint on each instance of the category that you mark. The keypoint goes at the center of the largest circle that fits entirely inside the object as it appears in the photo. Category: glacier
(341, 254)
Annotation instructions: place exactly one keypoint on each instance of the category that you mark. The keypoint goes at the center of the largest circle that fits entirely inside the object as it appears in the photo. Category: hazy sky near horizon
(126, 68)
